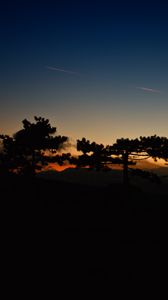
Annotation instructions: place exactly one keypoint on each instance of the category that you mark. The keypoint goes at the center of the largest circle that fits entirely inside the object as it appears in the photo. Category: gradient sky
(97, 69)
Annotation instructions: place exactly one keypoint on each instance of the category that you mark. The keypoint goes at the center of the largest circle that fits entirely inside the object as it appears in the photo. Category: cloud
(146, 89)
(61, 70)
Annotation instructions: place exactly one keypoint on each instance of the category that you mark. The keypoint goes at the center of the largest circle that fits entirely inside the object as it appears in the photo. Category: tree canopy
(25, 152)
(125, 152)
(37, 144)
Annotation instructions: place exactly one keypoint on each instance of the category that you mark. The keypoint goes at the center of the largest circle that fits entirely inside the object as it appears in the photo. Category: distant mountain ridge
(104, 179)
(84, 176)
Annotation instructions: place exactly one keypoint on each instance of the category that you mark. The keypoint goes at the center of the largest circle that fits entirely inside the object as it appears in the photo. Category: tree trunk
(33, 162)
(125, 170)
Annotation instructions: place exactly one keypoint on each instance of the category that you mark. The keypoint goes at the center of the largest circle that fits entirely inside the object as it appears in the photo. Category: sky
(96, 69)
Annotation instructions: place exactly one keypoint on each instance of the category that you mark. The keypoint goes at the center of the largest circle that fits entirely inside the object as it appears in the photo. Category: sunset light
(83, 146)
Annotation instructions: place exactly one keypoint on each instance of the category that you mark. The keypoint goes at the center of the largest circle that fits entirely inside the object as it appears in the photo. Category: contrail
(61, 70)
(148, 89)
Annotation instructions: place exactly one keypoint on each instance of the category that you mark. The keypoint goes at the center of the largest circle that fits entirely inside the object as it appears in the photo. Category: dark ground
(81, 233)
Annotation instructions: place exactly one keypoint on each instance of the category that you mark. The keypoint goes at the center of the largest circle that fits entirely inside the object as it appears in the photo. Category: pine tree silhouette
(25, 152)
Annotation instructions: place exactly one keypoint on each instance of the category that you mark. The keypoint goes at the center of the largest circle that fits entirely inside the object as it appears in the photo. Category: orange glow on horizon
(53, 166)
(151, 164)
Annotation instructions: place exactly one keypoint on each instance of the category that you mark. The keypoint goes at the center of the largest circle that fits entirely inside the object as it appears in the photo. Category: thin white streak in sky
(61, 70)
(149, 90)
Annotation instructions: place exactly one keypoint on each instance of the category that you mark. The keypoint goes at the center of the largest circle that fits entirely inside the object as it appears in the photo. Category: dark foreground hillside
(85, 232)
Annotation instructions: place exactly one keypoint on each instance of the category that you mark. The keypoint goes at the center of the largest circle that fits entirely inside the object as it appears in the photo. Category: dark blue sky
(96, 69)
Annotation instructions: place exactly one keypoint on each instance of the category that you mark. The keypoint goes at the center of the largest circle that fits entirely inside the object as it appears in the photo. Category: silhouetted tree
(27, 150)
(83, 146)
(126, 150)
(156, 146)
(131, 151)
(95, 156)
(9, 157)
